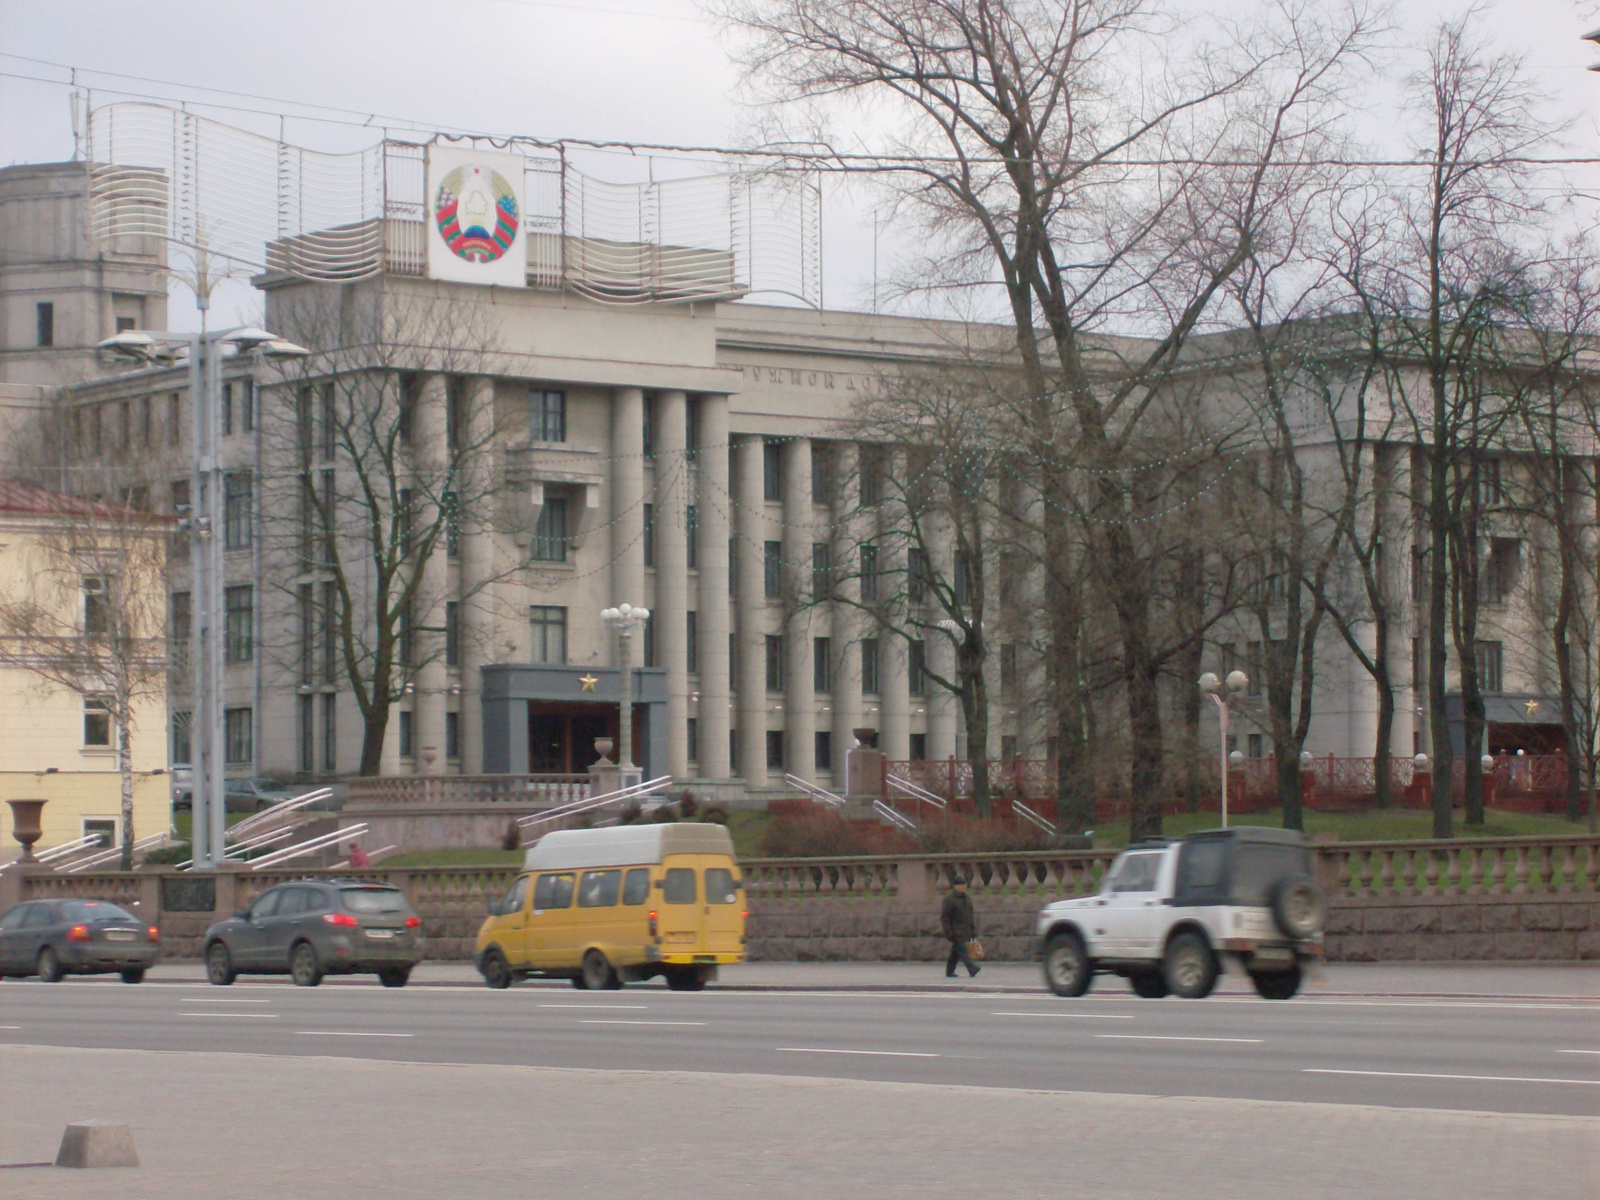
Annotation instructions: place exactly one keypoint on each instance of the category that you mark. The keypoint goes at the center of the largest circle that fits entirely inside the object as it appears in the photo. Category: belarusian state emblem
(476, 212)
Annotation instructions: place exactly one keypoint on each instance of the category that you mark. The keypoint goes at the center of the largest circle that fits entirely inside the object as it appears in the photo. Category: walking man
(960, 925)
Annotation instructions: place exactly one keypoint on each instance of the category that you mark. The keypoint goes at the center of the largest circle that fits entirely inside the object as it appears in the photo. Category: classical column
(847, 620)
(431, 677)
(672, 572)
(627, 500)
(799, 694)
(1036, 707)
(944, 709)
(894, 737)
(750, 529)
(477, 611)
(713, 530)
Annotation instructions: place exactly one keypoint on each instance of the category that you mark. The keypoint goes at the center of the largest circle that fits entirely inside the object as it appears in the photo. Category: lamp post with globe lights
(623, 618)
(1222, 694)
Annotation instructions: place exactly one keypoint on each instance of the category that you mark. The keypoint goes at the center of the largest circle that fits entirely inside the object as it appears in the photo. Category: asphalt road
(1534, 1051)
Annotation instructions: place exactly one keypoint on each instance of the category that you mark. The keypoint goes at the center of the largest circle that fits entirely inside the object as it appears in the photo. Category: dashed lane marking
(1173, 1037)
(598, 1006)
(347, 1033)
(234, 1016)
(1075, 1015)
(625, 1021)
(1469, 1078)
(876, 1053)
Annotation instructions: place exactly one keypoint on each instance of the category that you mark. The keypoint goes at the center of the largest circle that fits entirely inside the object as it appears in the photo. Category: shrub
(714, 814)
(511, 839)
(664, 814)
(630, 812)
(688, 805)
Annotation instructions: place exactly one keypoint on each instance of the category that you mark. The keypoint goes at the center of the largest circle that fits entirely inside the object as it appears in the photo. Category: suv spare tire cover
(1298, 908)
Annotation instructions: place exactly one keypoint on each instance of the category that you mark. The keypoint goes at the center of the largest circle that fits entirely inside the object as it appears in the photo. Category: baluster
(1497, 874)
(1522, 869)
(1452, 885)
(1430, 874)
(1386, 873)
(1342, 872)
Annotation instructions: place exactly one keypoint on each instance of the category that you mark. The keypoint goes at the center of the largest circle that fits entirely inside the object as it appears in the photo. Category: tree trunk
(374, 725)
(1438, 584)
(1383, 749)
(125, 769)
(975, 712)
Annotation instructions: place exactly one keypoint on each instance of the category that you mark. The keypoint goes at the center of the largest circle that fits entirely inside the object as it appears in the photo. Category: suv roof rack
(1150, 843)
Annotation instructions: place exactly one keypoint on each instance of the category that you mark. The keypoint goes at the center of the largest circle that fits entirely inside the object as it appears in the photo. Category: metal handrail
(815, 792)
(276, 810)
(1027, 814)
(311, 846)
(894, 818)
(575, 807)
(153, 842)
(87, 842)
(916, 792)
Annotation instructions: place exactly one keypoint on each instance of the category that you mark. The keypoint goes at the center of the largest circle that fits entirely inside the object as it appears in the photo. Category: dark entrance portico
(542, 719)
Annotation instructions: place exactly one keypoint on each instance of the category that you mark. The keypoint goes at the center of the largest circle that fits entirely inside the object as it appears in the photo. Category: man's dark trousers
(959, 953)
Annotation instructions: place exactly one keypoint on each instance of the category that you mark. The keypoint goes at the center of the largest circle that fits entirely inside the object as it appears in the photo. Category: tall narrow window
(822, 745)
(404, 519)
(821, 570)
(247, 406)
(547, 416)
(649, 535)
(648, 433)
(330, 522)
(174, 419)
(1008, 666)
(330, 631)
(406, 406)
(961, 578)
(227, 409)
(869, 573)
(733, 567)
(44, 317)
(452, 634)
(869, 666)
(650, 641)
(305, 424)
(238, 726)
(405, 734)
(452, 735)
(918, 575)
(236, 514)
(1419, 670)
(451, 503)
(97, 721)
(1490, 663)
(917, 667)
(691, 645)
(455, 415)
(771, 470)
(96, 607)
(406, 634)
(691, 535)
(182, 631)
(871, 459)
(691, 428)
(308, 732)
(774, 662)
(772, 569)
(693, 739)
(550, 532)
(329, 419)
(308, 637)
(822, 664)
(774, 749)
(821, 472)
(182, 745)
(549, 625)
(330, 732)
(239, 623)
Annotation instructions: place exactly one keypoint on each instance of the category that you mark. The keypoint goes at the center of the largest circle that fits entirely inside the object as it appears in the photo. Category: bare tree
(88, 613)
(378, 459)
(1044, 168)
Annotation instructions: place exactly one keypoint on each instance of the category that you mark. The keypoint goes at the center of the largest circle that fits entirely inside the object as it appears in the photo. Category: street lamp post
(622, 619)
(208, 817)
(1221, 695)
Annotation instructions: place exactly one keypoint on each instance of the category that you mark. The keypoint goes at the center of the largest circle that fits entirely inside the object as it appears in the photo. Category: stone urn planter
(25, 826)
(603, 747)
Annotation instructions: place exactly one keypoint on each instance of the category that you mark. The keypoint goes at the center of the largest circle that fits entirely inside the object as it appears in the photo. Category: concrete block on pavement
(97, 1144)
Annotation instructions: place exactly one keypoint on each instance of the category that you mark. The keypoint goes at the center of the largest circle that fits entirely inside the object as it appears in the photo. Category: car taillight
(155, 934)
(652, 924)
(78, 933)
(344, 919)
(413, 922)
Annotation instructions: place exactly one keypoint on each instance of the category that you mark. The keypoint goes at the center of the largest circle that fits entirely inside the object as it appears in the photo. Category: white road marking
(10, 1026)
(625, 1021)
(1078, 1015)
(598, 1006)
(1558, 1051)
(346, 1033)
(877, 1053)
(1472, 1078)
(220, 1000)
(1170, 1037)
(235, 1016)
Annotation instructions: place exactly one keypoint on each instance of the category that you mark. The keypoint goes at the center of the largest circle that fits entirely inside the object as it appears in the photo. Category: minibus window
(679, 886)
(637, 888)
(552, 891)
(719, 886)
(516, 897)
(598, 889)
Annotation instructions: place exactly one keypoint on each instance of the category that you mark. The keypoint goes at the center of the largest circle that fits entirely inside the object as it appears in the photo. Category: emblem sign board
(474, 217)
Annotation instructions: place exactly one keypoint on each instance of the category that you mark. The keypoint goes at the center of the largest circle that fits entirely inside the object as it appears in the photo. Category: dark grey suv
(317, 927)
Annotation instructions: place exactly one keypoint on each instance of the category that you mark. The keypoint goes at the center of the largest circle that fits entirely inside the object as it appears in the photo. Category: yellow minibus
(604, 907)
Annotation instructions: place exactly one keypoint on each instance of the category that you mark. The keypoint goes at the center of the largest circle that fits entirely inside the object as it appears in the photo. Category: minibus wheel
(598, 974)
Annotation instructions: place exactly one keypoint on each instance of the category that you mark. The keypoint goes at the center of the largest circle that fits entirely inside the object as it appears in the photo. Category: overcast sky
(624, 70)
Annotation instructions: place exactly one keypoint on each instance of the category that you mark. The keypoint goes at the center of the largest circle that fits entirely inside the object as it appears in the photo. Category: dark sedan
(53, 938)
(318, 927)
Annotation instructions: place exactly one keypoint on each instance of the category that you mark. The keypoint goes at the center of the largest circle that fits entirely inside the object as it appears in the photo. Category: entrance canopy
(543, 719)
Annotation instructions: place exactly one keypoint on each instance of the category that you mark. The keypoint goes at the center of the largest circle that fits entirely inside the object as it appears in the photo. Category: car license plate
(679, 939)
(119, 935)
(380, 933)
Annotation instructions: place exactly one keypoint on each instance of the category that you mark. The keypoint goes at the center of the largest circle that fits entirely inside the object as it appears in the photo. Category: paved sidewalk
(245, 1126)
(1377, 979)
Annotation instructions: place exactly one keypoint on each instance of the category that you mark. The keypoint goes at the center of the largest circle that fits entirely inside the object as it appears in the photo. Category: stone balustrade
(1477, 898)
(532, 791)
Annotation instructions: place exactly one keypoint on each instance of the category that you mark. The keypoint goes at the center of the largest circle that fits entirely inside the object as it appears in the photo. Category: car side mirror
(241, 914)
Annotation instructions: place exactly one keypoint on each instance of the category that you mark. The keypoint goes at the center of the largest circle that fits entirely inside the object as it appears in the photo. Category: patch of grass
(747, 829)
(183, 822)
(1375, 825)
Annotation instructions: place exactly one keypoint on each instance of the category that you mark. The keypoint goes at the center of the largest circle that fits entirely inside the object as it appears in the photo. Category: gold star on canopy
(588, 682)
(1532, 706)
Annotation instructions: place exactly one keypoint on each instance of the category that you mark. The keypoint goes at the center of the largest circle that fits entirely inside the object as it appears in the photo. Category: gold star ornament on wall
(588, 682)
(1532, 706)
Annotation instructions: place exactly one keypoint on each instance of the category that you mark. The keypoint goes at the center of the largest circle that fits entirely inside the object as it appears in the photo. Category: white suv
(1171, 915)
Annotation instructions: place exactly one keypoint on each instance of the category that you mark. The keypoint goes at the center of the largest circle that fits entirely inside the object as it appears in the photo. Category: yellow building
(73, 576)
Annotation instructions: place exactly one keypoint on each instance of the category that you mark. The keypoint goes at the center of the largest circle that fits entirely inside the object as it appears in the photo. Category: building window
(822, 750)
(405, 514)
(124, 427)
(691, 538)
(330, 732)
(733, 750)
(227, 410)
(821, 472)
(822, 664)
(1489, 658)
(455, 416)
(918, 573)
(821, 570)
(450, 502)
(733, 568)
(691, 427)
(330, 631)
(96, 607)
(305, 601)
(406, 406)
(452, 634)
(174, 419)
(869, 573)
(650, 641)
(692, 738)
(1256, 746)
(247, 406)
(330, 500)
(550, 532)
(1419, 671)
(308, 733)
(1501, 570)
(405, 734)
(772, 569)
(144, 420)
(1254, 667)
(869, 666)
(733, 662)
(127, 324)
(97, 721)
(774, 662)
(239, 623)
(917, 667)
(549, 623)
(238, 735)
(919, 747)
(1490, 491)
(547, 416)
(691, 642)
(406, 635)
(1008, 747)
(961, 579)
(328, 394)
(182, 750)
(236, 511)
(774, 749)
(1008, 666)
(871, 475)
(452, 735)
(44, 318)
(771, 470)
(102, 829)
(182, 630)
(649, 535)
